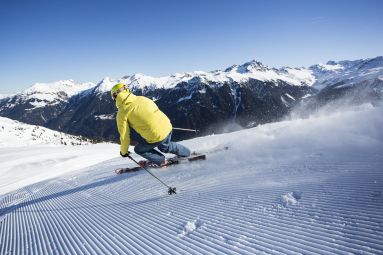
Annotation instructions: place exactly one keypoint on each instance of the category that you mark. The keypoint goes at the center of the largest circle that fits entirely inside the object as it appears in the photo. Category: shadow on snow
(110, 180)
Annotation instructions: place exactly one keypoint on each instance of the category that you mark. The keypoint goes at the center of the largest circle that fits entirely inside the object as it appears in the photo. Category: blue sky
(45, 41)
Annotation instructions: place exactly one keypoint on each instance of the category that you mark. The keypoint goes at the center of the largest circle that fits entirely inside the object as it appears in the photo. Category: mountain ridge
(241, 95)
(141, 81)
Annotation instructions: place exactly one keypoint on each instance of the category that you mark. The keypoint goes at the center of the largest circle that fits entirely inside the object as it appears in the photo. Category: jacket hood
(125, 97)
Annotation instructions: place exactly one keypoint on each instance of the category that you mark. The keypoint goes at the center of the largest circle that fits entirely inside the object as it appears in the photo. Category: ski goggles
(115, 93)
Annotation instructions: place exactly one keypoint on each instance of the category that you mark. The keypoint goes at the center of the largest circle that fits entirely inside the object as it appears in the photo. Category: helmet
(117, 89)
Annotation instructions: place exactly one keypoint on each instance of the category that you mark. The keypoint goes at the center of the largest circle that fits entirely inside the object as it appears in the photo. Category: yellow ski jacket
(143, 115)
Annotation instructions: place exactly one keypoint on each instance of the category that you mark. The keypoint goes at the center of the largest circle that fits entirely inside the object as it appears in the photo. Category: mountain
(213, 102)
(41, 102)
(14, 133)
(346, 83)
(207, 101)
(3, 96)
(303, 186)
(347, 73)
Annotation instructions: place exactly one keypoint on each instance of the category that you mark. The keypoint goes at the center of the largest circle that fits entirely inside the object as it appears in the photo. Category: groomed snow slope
(30, 153)
(21, 166)
(311, 186)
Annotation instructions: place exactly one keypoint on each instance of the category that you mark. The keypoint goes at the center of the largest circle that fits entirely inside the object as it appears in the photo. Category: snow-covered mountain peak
(140, 80)
(143, 81)
(229, 69)
(350, 72)
(372, 63)
(254, 65)
(258, 71)
(349, 65)
(42, 94)
(319, 76)
(69, 87)
(105, 85)
(3, 96)
(248, 67)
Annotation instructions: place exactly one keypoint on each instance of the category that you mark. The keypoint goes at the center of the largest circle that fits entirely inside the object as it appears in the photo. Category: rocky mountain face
(212, 102)
(216, 108)
(342, 94)
(347, 82)
(347, 73)
(41, 103)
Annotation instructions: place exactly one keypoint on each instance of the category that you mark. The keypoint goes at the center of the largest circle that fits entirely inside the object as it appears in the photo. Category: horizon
(116, 78)
(45, 42)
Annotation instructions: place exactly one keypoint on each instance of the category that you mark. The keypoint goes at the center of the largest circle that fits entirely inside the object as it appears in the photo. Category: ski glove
(125, 155)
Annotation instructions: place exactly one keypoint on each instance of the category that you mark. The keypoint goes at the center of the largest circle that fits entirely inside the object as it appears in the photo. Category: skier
(142, 114)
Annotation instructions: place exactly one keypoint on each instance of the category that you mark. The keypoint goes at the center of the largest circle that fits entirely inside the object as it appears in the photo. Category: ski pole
(171, 190)
(186, 129)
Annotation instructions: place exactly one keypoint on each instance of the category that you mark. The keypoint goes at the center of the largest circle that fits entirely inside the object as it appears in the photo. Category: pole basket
(172, 191)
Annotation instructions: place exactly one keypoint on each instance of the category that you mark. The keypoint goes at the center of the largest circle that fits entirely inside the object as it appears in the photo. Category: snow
(255, 70)
(330, 67)
(14, 133)
(68, 86)
(301, 186)
(318, 76)
(143, 81)
(24, 165)
(250, 70)
(184, 98)
(350, 71)
(37, 104)
(3, 96)
(284, 101)
(190, 226)
(32, 153)
(290, 96)
(290, 198)
(105, 85)
(171, 81)
(105, 116)
(42, 94)
(300, 76)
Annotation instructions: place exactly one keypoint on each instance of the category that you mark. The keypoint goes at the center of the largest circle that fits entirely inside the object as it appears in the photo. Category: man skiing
(142, 114)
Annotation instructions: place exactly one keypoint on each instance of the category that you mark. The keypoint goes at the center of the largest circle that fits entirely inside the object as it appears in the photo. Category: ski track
(339, 211)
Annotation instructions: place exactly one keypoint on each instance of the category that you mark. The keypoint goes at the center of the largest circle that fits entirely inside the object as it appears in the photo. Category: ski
(172, 161)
